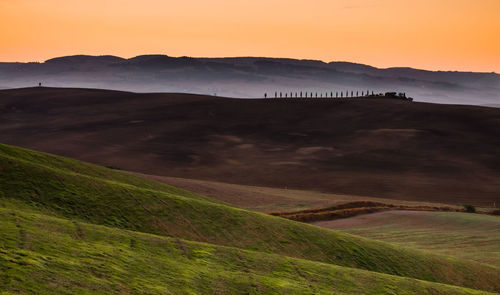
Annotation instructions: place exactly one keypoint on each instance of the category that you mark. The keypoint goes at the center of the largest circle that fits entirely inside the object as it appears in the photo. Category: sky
(428, 34)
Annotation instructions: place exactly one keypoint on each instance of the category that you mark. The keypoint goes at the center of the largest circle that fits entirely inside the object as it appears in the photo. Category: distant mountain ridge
(249, 77)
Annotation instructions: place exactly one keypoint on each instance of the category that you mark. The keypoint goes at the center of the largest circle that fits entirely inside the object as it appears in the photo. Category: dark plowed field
(373, 147)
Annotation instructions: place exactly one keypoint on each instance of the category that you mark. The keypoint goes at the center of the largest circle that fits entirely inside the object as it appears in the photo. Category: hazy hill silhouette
(249, 77)
(376, 147)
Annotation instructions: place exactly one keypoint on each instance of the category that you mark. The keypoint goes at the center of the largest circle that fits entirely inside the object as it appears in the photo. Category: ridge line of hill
(114, 58)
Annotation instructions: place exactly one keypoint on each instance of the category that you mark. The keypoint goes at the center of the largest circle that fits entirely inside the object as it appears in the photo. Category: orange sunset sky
(429, 34)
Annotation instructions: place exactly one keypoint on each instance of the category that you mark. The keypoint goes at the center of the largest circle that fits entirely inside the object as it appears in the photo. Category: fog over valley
(250, 77)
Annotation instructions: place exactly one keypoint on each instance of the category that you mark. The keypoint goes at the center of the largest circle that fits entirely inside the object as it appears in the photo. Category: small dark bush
(496, 212)
(113, 167)
(470, 208)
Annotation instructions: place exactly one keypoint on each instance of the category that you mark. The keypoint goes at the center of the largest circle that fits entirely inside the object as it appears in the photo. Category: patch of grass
(66, 165)
(84, 193)
(466, 236)
(57, 256)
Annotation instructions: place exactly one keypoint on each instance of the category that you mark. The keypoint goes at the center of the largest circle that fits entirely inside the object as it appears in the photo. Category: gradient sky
(428, 34)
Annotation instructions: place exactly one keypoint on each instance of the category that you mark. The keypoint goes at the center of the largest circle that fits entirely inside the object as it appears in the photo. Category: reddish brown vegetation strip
(352, 209)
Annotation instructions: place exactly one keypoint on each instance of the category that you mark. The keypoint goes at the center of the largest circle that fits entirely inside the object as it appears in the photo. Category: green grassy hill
(468, 236)
(37, 182)
(47, 255)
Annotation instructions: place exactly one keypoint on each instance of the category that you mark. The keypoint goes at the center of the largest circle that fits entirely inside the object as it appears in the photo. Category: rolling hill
(33, 183)
(46, 255)
(367, 147)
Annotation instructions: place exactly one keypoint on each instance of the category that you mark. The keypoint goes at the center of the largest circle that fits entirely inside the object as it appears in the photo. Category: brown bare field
(269, 200)
(470, 236)
(364, 147)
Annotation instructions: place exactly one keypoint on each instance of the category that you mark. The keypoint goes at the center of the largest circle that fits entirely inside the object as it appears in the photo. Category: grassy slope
(47, 255)
(469, 236)
(67, 165)
(56, 190)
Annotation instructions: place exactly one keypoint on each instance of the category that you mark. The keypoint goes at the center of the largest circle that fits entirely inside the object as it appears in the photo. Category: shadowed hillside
(371, 147)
